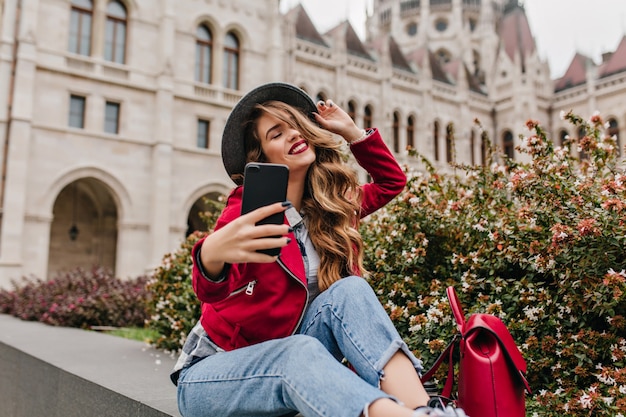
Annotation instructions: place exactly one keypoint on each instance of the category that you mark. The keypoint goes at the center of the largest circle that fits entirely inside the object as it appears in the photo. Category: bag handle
(447, 389)
(496, 327)
(457, 310)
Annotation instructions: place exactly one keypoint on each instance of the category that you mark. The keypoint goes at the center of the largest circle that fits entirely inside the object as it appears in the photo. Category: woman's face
(283, 144)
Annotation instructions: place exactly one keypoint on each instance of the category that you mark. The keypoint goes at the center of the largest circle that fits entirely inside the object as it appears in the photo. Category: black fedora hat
(233, 138)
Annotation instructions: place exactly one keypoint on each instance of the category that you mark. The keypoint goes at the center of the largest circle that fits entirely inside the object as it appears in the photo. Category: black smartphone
(264, 184)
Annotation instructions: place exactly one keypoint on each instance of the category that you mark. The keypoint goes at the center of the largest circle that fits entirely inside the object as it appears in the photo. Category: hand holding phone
(264, 184)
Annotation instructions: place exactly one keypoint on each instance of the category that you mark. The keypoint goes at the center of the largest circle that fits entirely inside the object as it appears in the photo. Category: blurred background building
(111, 111)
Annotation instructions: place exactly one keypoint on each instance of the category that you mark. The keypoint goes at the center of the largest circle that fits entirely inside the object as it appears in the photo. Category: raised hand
(333, 118)
(239, 240)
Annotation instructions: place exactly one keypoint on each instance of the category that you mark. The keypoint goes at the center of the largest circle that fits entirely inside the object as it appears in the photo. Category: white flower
(533, 313)
(585, 401)
(562, 115)
(416, 328)
(478, 227)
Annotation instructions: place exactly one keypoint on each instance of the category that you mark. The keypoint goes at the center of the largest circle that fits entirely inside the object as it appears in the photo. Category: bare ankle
(385, 407)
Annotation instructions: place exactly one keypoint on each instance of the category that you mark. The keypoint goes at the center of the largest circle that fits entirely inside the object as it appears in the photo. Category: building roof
(398, 60)
(617, 61)
(417, 56)
(305, 29)
(353, 43)
(437, 70)
(576, 73)
(474, 82)
(515, 34)
(452, 68)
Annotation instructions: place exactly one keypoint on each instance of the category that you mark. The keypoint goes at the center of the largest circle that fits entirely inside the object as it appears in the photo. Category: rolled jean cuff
(366, 409)
(393, 348)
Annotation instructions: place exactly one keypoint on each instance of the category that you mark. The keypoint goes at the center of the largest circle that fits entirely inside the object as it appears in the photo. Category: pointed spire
(305, 29)
(515, 33)
(353, 43)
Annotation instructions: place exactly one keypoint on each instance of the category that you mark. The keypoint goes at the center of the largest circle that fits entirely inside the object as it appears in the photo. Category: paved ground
(56, 371)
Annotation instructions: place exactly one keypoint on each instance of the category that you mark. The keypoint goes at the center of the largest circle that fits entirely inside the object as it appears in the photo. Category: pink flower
(560, 234)
(587, 227)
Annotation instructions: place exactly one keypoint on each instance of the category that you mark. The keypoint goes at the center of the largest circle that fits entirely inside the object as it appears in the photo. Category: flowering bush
(78, 298)
(174, 309)
(540, 244)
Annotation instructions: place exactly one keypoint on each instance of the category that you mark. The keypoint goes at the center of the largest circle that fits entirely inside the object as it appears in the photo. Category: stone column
(162, 151)
(12, 236)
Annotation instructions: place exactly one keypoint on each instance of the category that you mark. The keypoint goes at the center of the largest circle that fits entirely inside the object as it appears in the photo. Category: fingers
(264, 244)
(322, 105)
(268, 230)
(265, 211)
(239, 241)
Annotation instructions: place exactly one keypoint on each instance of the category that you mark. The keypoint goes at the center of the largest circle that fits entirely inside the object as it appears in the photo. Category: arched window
(410, 132)
(352, 110)
(444, 55)
(563, 136)
(320, 97)
(508, 145)
(613, 130)
(396, 132)
(581, 134)
(80, 27)
(204, 53)
(436, 139)
(231, 61)
(368, 117)
(484, 144)
(449, 142)
(472, 146)
(115, 33)
(477, 62)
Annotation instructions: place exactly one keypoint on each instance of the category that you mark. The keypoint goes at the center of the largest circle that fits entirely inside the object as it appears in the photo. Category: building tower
(465, 30)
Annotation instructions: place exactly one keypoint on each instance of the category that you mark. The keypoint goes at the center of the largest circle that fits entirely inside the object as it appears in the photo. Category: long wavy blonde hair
(332, 196)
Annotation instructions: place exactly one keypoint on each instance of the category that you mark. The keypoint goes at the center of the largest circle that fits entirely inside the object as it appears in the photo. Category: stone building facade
(111, 111)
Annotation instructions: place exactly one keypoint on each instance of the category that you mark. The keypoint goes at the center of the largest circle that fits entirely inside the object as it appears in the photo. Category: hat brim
(233, 138)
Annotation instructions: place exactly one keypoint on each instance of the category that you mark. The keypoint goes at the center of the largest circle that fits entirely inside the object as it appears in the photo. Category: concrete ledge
(64, 372)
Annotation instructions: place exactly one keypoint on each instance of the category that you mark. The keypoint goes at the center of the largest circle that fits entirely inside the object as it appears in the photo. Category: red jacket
(259, 302)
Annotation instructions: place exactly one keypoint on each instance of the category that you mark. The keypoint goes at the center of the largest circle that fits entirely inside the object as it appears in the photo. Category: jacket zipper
(306, 301)
(248, 288)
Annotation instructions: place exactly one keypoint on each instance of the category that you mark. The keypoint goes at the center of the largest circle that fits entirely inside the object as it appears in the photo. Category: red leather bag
(491, 379)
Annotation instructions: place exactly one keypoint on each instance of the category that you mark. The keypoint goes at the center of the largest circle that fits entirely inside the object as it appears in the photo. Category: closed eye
(274, 132)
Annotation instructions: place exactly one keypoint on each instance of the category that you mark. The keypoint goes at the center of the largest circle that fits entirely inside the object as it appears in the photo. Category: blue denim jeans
(302, 372)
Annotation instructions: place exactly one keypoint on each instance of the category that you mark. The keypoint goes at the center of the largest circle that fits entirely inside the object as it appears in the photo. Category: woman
(274, 329)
